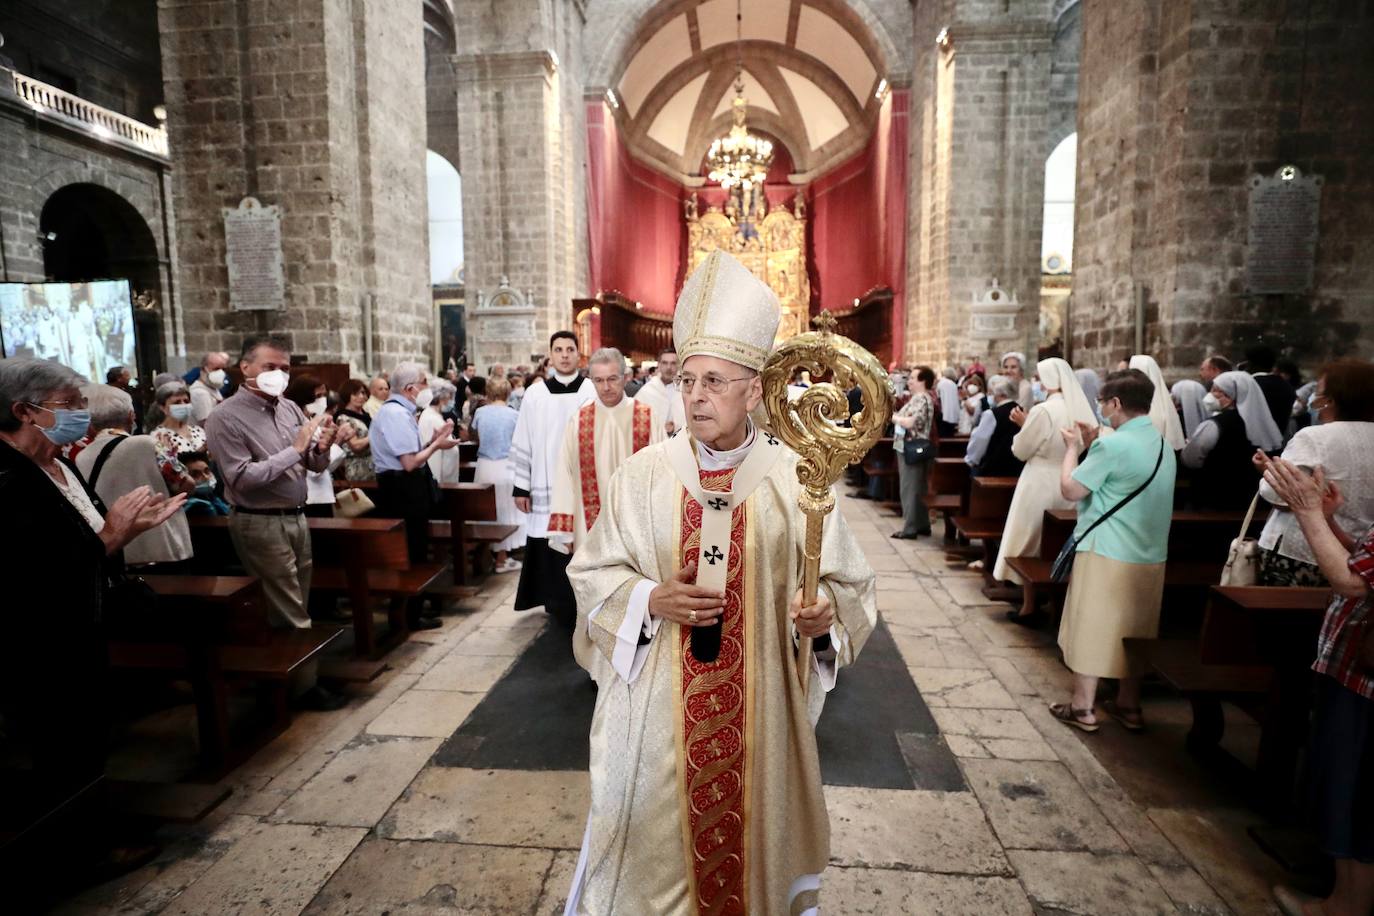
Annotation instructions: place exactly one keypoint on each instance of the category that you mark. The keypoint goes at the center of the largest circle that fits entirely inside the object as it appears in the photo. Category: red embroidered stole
(640, 428)
(712, 738)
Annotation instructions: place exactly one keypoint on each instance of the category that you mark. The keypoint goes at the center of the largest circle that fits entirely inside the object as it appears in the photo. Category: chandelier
(739, 159)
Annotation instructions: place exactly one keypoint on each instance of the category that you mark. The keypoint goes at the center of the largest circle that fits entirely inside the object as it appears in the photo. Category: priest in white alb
(705, 782)
(535, 447)
(597, 440)
(661, 392)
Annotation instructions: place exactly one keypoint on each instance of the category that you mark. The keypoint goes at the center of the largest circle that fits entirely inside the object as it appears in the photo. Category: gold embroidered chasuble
(705, 785)
(596, 442)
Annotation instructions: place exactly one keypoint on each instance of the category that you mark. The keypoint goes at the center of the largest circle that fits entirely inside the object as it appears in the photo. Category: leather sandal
(1130, 717)
(1065, 713)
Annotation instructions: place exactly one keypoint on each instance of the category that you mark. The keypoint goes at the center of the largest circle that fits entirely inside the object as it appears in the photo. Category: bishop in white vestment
(534, 451)
(600, 436)
(705, 781)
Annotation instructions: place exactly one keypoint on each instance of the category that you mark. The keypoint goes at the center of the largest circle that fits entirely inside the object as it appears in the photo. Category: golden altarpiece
(770, 243)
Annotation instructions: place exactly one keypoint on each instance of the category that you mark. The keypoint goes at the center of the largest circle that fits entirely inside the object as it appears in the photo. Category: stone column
(523, 152)
(1181, 103)
(980, 99)
(316, 107)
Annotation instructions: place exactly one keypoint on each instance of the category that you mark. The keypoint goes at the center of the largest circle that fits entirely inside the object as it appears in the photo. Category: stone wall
(980, 108)
(523, 149)
(1182, 102)
(38, 158)
(315, 106)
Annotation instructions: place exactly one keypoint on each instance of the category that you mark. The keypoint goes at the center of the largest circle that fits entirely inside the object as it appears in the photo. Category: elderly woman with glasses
(67, 545)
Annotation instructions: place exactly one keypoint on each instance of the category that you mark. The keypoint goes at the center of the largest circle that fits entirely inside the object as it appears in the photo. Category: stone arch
(616, 27)
(128, 192)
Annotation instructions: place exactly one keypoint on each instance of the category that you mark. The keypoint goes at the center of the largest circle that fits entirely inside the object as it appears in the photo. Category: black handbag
(1063, 564)
(917, 451)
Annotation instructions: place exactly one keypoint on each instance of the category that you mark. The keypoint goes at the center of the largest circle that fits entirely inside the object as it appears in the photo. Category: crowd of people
(1240, 435)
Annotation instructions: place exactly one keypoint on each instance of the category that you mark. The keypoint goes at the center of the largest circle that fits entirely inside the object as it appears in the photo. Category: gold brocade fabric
(636, 851)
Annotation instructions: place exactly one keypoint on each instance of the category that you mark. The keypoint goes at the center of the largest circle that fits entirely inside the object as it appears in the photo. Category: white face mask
(316, 407)
(273, 382)
(1210, 403)
(215, 378)
(972, 389)
(424, 398)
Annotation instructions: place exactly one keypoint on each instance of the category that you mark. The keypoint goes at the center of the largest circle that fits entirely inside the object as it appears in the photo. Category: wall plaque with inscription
(1281, 246)
(252, 252)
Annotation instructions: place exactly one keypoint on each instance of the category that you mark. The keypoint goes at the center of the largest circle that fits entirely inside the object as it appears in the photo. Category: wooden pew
(213, 631)
(947, 491)
(881, 462)
(1255, 650)
(466, 516)
(1198, 544)
(365, 558)
(989, 501)
(952, 447)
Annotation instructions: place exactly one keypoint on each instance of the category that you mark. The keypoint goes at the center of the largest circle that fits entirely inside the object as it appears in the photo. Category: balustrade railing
(99, 122)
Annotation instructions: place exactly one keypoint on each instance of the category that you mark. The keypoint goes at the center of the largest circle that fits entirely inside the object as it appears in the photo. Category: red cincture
(715, 724)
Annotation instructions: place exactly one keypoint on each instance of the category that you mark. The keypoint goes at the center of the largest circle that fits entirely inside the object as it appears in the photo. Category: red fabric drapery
(634, 220)
(858, 219)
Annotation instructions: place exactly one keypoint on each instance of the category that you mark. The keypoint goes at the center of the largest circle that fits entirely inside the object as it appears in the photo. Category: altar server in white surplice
(535, 447)
(705, 781)
(600, 436)
(662, 394)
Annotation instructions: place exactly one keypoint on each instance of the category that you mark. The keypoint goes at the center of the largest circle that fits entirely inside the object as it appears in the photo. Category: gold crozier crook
(810, 426)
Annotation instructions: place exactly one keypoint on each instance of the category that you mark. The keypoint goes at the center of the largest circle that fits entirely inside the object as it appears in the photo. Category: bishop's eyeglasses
(715, 384)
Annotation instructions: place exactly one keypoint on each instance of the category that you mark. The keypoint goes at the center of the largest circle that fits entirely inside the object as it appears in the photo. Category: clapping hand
(443, 437)
(306, 434)
(136, 512)
(1018, 416)
(328, 433)
(1073, 439)
(1087, 432)
(1301, 492)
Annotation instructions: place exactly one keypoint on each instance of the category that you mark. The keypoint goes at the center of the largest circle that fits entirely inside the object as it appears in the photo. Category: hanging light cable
(740, 158)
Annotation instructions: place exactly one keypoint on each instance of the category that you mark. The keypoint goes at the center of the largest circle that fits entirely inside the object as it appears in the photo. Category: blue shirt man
(395, 432)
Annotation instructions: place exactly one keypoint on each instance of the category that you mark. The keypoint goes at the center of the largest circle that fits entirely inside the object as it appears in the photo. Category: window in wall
(1056, 240)
(445, 220)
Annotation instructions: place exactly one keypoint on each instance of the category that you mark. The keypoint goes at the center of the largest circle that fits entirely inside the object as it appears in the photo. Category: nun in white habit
(1188, 394)
(1041, 447)
(1162, 412)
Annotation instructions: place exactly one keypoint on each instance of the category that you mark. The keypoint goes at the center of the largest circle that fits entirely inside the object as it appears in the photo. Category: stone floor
(355, 812)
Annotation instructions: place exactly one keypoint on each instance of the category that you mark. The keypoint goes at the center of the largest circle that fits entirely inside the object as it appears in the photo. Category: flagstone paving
(423, 796)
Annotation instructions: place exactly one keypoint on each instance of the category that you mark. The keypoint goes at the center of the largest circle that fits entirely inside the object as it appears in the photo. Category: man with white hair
(535, 448)
(661, 393)
(598, 439)
(118, 462)
(705, 780)
(206, 385)
(989, 451)
(947, 392)
(405, 486)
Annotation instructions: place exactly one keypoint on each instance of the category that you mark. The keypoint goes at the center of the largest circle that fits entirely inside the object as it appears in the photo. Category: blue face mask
(1037, 391)
(206, 490)
(70, 425)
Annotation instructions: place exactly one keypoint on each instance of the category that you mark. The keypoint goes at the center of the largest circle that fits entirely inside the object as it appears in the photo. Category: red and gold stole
(640, 428)
(712, 735)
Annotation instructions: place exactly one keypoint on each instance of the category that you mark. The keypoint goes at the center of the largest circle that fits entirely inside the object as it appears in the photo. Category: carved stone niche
(505, 316)
(992, 315)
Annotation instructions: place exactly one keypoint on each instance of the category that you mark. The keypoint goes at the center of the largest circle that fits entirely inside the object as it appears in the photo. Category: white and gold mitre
(726, 311)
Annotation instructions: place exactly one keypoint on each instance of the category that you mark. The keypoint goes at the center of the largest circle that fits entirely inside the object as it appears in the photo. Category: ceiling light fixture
(739, 159)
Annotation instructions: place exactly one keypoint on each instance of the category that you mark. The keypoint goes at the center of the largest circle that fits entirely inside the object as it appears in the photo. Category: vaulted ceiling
(812, 73)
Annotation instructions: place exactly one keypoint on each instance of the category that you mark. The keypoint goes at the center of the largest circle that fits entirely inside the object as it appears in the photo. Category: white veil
(1242, 388)
(1189, 394)
(1162, 413)
(1055, 373)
